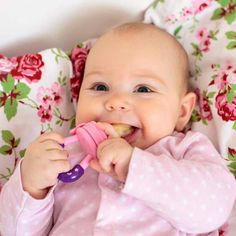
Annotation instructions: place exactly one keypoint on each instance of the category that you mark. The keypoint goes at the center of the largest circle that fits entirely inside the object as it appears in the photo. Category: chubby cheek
(85, 113)
(154, 128)
(147, 139)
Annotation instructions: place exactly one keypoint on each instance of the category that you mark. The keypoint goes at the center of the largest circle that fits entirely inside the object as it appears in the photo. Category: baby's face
(132, 80)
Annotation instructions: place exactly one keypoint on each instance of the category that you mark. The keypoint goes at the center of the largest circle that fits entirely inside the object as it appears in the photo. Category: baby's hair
(152, 29)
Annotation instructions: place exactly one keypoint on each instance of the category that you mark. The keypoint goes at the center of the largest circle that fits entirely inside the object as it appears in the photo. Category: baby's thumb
(94, 164)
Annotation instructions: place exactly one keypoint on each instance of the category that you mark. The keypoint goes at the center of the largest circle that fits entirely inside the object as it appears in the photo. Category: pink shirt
(179, 186)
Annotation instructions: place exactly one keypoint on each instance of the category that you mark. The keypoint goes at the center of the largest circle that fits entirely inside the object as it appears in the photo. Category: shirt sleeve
(185, 181)
(20, 213)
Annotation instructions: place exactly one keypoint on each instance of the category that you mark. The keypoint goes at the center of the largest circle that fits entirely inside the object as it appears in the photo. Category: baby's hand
(44, 160)
(113, 154)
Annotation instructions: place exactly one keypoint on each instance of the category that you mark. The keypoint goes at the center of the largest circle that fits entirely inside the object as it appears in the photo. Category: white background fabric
(30, 26)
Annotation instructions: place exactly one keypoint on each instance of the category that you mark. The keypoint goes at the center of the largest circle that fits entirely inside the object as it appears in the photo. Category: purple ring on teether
(72, 175)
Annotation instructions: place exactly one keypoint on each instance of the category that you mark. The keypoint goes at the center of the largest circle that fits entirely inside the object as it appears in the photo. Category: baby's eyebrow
(142, 74)
(99, 73)
(150, 75)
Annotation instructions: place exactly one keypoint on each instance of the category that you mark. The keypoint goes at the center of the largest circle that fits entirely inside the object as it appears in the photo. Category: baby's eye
(143, 89)
(100, 87)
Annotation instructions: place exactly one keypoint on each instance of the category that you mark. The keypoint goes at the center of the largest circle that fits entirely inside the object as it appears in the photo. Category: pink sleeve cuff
(23, 198)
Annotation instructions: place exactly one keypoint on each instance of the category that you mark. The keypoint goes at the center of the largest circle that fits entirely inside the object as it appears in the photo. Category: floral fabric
(78, 58)
(207, 30)
(34, 98)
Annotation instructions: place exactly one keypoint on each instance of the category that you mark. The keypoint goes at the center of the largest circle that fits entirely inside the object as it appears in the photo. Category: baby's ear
(186, 108)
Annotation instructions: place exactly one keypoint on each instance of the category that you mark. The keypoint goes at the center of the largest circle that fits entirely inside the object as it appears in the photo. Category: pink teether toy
(89, 136)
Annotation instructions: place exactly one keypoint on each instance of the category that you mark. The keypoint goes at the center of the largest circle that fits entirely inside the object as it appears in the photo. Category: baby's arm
(186, 183)
(25, 201)
(20, 213)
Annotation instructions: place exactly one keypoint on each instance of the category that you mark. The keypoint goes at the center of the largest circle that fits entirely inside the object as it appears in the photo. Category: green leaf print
(177, 30)
(234, 126)
(5, 150)
(7, 136)
(59, 54)
(22, 153)
(226, 11)
(230, 17)
(230, 96)
(11, 94)
(23, 90)
(154, 4)
(11, 142)
(8, 83)
(62, 79)
(2, 98)
(223, 3)
(231, 157)
(231, 35)
(217, 14)
(232, 167)
(10, 108)
(231, 45)
(197, 52)
(72, 124)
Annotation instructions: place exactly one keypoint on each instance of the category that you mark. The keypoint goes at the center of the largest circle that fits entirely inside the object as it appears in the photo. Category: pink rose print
(57, 92)
(78, 58)
(48, 98)
(200, 5)
(6, 66)
(232, 152)
(203, 103)
(204, 40)
(195, 7)
(44, 97)
(223, 231)
(45, 113)
(225, 109)
(28, 67)
(224, 76)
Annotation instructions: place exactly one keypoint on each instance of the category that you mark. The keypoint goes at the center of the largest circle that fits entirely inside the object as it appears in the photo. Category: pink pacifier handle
(89, 136)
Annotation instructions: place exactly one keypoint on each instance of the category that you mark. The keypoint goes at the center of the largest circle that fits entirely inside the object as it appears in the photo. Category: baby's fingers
(53, 136)
(57, 154)
(108, 129)
(96, 166)
(61, 166)
(50, 144)
(121, 171)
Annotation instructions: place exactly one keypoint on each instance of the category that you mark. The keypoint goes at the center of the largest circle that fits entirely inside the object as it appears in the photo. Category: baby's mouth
(123, 130)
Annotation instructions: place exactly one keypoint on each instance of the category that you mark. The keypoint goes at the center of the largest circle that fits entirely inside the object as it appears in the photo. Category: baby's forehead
(139, 40)
(140, 34)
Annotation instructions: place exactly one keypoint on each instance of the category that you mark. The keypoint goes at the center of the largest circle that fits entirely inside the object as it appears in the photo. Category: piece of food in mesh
(123, 129)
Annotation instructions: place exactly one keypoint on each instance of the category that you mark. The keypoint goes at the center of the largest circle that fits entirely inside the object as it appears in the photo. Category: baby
(152, 180)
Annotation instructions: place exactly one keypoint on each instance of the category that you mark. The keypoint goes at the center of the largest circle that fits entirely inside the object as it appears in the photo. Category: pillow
(78, 56)
(207, 30)
(35, 98)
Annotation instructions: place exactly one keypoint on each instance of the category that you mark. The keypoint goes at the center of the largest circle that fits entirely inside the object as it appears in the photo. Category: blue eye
(143, 89)
(100, 87)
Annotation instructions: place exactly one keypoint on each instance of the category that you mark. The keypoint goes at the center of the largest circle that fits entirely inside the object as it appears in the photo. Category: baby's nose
(117, 103)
